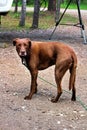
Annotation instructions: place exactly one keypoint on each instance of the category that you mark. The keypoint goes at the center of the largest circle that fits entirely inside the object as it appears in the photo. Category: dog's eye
(25, 45)
(19, 45)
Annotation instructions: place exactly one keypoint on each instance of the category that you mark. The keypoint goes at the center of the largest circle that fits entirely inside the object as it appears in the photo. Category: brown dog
(40, 55)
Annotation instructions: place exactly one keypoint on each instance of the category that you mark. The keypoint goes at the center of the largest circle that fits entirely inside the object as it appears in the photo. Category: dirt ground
(40, 113)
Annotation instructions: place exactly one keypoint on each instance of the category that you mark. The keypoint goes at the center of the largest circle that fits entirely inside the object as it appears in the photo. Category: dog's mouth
(22, 54)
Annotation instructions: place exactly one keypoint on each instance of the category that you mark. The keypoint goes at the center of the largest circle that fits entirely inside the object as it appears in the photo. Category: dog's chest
(46, 61)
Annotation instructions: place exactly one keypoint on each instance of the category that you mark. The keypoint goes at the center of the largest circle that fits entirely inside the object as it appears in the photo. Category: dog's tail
(73, 72)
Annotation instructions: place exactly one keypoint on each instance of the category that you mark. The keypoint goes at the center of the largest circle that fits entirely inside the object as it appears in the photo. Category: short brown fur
(41, 55)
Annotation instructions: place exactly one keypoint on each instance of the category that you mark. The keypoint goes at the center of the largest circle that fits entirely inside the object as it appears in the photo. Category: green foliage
(83, 4)
(31, 2)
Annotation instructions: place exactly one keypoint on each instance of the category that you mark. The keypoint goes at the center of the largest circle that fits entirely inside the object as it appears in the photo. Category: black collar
(24, 60)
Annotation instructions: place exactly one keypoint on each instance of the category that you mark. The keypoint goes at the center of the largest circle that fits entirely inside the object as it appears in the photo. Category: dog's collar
(24, 61)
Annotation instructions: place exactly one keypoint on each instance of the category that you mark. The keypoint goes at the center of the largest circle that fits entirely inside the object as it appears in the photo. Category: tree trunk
(23, 14)
(58, 10)
(52, 5)
(36, 14)
(16, 6)
(27, 2)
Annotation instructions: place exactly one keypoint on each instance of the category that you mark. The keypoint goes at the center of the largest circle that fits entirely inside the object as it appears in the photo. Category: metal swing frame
(80, 24)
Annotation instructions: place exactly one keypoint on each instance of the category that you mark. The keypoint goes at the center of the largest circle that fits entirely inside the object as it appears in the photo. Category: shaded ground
(40, 113)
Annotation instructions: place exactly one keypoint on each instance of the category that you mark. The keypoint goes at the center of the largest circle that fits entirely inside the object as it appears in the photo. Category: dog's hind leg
(58, 78)
(72, 82)
(60, 70)
(59, 91)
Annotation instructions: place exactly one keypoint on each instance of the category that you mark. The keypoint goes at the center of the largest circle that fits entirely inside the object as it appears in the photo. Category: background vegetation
(30, 3)
(46, 18)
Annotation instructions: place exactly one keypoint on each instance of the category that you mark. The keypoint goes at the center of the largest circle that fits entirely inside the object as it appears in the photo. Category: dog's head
(22, 46)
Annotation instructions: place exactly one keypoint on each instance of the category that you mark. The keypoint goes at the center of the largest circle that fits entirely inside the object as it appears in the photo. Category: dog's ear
(14, 41)
(29, 42)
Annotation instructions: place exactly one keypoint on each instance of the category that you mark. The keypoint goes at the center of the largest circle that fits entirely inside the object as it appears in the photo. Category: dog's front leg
(33, 88)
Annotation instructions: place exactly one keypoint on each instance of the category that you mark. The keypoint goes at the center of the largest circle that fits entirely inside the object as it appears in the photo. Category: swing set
(80, 24)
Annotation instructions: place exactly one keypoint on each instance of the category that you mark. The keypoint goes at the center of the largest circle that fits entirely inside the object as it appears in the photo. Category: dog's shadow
(42, 94)
(46, 94)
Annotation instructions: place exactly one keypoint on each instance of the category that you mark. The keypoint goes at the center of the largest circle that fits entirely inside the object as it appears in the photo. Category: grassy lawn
(46, 20)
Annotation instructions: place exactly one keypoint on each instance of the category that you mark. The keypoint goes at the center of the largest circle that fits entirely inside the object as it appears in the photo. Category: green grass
(46, 20)
(11, 21)
(83, 6)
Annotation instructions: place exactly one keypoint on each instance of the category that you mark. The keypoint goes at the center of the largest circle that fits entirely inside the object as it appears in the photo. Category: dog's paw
(73, 99)
(54, 100)
(27, 97)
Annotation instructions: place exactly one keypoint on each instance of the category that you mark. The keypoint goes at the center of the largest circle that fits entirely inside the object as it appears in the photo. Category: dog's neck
(25, 61)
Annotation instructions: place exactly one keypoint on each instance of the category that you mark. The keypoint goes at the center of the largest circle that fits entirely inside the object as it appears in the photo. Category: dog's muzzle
(22, 54)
